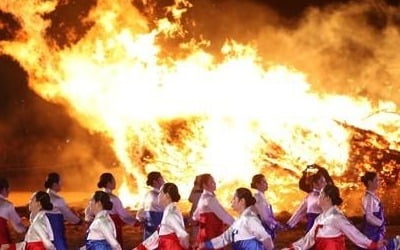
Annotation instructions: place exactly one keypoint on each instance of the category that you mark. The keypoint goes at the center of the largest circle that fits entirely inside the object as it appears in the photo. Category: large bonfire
(185, 110)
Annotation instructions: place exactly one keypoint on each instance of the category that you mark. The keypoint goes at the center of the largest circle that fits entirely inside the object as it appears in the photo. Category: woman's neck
(326, 207)
(372, 190)
(240, 210)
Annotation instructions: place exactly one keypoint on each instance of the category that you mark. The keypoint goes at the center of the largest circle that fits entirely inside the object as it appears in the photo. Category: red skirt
(169, 242)
(336, 243)
(4, 232)
(210, 226)
(38, 245)
(118, 227)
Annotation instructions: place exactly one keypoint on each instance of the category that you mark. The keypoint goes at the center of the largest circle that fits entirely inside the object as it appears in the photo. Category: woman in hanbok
(39, 235)
(331, 227)
(194, 198)
(309, 208)
(118, 213)
(247, 232)
(101, 234)
(262, 206)
(209, 212)
(8, 214)
(151, 213)
(374, 218)
(60, 211)
(171, 234)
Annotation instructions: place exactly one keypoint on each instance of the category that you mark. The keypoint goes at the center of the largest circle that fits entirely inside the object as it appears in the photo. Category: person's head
(100, 201)
(4, 187)
(53, 182)
(168, 193)
(155, 180)
(242, 199)
(318, 181)
(107, 181)
(370, 180)
(40, 201)
(207, 182)
(196, 183)
(259, 182)
(329, 196)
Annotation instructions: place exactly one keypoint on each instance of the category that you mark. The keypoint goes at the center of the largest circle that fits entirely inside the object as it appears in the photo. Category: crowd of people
(211, 226)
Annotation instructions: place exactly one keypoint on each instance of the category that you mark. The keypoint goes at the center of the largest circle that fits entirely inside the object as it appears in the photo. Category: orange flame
(232, 118)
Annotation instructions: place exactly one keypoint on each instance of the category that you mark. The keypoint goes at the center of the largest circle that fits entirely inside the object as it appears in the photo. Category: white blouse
(209, 203)
(150, 203)
(264, 209)
(40, 230)
(332, 223)
(60, 206)
(246, 227)
(103, 228)
(309, 205)
(7, 211)
(370, 204)
(172, 222)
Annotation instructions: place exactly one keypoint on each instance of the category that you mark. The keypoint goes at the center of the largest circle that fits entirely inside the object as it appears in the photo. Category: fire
(192, 113)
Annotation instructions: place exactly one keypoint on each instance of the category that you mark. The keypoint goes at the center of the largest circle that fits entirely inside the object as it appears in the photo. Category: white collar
(208, 192)
(373, 195)
(101, 213)
(51, 191)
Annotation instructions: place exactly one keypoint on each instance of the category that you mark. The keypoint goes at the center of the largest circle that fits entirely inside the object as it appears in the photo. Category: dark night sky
(26, 120)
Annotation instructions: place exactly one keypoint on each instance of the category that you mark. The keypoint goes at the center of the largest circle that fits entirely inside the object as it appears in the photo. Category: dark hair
(104, 199)
(105, 178)
(333, 193)
(316, 177)
(151, 177)
(44, 199)
(306, 180)
(368, 176)
(51, 179)
(172, 190)
(4, 184)
(203, 179)
(256, 179)
(244, 193)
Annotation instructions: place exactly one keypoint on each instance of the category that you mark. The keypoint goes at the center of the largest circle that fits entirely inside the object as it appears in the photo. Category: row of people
(208, 213)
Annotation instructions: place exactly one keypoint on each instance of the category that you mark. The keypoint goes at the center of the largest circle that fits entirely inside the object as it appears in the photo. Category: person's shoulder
(5, 202)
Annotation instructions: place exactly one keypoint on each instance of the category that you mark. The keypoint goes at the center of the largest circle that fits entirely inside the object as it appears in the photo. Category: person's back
(8, 215)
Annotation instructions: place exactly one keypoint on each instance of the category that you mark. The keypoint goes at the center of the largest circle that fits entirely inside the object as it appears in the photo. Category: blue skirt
(152, 221)
(97, 245)
(251, 244)
(57, 226)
